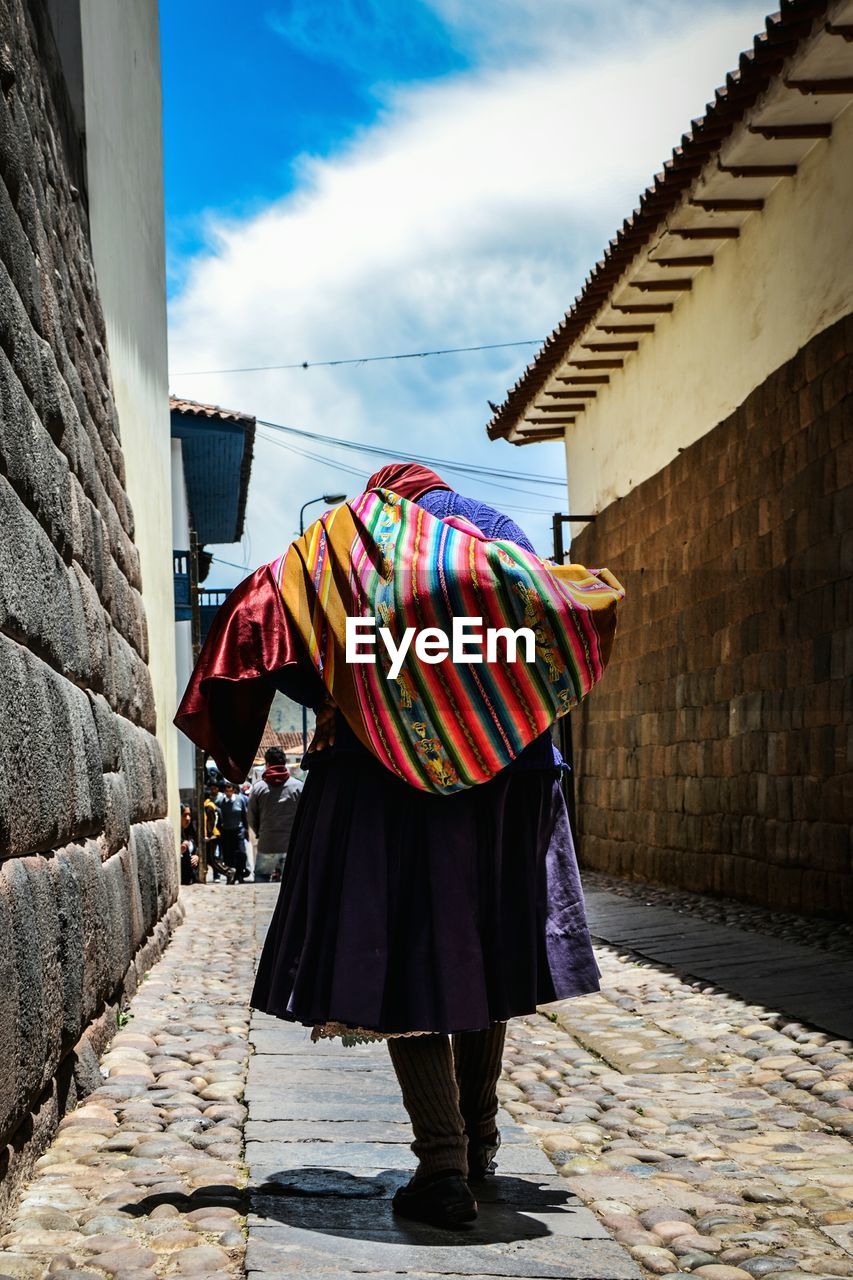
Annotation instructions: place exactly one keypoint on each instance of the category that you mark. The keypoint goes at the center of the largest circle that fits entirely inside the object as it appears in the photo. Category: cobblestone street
(686, 1131)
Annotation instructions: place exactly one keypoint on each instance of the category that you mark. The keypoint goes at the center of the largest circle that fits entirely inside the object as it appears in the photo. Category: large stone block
(51, 781)
(128, 612)
(36, 605)
(133, 693)
(127, 558)
(133, 893)
(116, 831)
(144, 771)
(96, 628)
(41, 888)
(144, 860)
(167, 864)
(117, 941)
(77, 447)
(19, 340)
(95, 916)
(26, 886)
(106, 728)
(18, 258)
(64, 871)
(28, 457)
(10, 1022)
(88, 538)
(12, 163)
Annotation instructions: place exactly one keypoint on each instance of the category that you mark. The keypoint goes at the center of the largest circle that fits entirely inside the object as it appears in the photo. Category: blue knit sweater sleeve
(490, 521)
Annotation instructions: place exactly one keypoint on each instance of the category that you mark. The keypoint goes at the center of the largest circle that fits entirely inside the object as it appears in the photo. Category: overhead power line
(360, 472)
(450, 464)
(330, 364)
(230, 563)
(474, 475)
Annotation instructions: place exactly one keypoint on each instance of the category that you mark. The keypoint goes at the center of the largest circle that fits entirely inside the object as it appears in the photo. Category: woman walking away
(430, 891)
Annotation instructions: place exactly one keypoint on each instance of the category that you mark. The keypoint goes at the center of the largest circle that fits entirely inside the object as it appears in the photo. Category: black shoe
(441, 1199)
(481, 1156)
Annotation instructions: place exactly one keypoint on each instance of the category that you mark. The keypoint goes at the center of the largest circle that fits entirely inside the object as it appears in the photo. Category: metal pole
(557, 526)
(195, 630)
(557, 521)
(304, 708)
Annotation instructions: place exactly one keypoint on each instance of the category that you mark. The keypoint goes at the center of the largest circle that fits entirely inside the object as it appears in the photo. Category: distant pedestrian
(189, 847)
(212, 834)
(233, 827)
(273, 801)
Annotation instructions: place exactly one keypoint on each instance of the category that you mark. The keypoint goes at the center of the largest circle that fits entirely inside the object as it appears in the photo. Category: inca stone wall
(87, 861)
(717, 753)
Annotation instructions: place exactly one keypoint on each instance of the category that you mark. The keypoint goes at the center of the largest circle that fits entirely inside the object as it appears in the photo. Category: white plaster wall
(180, 503)
(121, 67)
(183, 630)
(788, 276)
(183, 667)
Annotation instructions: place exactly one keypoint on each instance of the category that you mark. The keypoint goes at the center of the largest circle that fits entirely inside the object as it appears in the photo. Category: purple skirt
(403, 911)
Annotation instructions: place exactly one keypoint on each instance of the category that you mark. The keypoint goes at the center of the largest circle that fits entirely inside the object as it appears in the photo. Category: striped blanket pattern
(448, 726)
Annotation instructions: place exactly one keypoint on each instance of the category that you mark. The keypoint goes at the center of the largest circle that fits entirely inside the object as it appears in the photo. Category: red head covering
(409, 479)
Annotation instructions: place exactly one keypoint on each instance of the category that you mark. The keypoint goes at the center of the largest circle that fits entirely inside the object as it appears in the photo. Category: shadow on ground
(336, 1203)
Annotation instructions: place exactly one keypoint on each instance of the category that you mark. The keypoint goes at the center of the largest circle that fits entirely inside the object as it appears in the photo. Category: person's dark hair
(275, 755)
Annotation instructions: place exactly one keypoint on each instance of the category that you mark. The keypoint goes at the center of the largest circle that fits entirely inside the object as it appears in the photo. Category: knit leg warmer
(424, 1067)
(478, 1056)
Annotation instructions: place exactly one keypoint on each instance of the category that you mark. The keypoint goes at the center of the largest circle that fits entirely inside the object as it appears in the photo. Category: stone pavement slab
(807, 983)
(327, 1144)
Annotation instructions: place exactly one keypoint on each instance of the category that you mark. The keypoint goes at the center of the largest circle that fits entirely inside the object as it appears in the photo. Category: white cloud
(470, 212)
(510, 31)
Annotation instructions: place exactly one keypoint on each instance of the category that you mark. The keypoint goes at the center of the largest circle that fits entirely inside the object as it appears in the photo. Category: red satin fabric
(409, 479)
(230, 692)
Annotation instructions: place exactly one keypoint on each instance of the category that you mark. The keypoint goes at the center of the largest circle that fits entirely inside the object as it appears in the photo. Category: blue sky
(250, 88)
(352, 177)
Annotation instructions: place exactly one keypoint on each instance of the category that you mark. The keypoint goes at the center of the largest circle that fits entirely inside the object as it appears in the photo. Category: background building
(290, 741)
(87, 665)
(702, 381)
(211, 466)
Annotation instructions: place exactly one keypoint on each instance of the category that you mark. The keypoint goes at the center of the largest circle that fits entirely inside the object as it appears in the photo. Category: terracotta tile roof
(289, 741)
(757, 67)
(211, 411)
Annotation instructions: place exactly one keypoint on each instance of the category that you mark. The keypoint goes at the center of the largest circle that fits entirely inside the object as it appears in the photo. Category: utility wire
(360, 473)
(230, 563)
(330, 364)
(472, 476)
(449, 464)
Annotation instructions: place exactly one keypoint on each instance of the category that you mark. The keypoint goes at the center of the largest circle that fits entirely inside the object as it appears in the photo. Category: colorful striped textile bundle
(447, 726)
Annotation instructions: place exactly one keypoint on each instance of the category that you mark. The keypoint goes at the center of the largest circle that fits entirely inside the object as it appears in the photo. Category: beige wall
(789, 276)
(121, 58)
